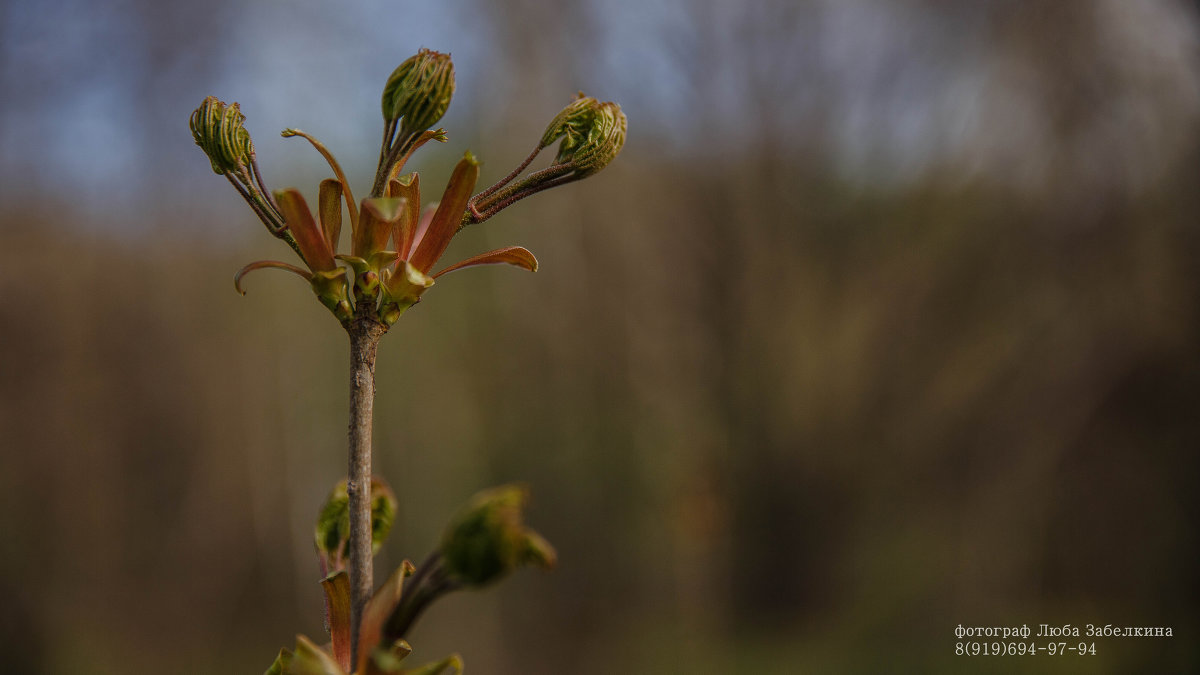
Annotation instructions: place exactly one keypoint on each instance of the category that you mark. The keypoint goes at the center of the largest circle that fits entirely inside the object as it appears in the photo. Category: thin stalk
(428, 584)
(507, 179)
(365, 330)
(511, 195)
(389, 130)
(552, 171)
(403, 141)
(261, 184)
(274, 226)
(269, 217)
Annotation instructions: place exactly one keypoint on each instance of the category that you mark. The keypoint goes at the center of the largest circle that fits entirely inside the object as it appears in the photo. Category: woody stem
(365, 330)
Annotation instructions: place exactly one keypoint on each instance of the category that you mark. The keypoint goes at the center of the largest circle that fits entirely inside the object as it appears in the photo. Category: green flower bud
(487, 539)
(217, 129)
(572, 121)
(592, 134)
(332, 532)
(419, 90)
(602, 142)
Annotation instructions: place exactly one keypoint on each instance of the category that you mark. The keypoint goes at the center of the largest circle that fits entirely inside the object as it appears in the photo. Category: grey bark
(365, 331)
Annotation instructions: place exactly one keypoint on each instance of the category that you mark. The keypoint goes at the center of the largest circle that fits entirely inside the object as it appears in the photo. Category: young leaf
(375, 228)
(405, 227)
(512, 255)
(378, 608)
(449, 212)
(309, 237)
(329, 203)
(337, 600)
(282, 664)
(309, 659)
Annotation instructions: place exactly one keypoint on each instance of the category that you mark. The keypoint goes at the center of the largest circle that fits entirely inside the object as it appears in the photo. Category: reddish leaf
(378, 608)
(309, 237)
(422, 226)
(337, 598)
(449, 213)
(405, 227)
(375, 224)
(329, 205)
(512, 255)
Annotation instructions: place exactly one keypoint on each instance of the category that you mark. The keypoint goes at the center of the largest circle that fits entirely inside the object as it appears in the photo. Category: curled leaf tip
(333, 164)
(511, 255)
(263, 264)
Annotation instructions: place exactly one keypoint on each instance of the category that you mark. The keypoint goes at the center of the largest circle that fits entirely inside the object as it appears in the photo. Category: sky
(96, 95)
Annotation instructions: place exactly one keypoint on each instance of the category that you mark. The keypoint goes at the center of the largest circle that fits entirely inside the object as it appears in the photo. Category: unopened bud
(332, 532)
(603, 141)
(592, 134)
(572, 122)
(218, 129)
(331, 289)
(487, 539)
(419, 90)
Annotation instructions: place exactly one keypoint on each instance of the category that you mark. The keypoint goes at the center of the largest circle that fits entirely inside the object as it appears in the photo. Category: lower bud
(487, 540)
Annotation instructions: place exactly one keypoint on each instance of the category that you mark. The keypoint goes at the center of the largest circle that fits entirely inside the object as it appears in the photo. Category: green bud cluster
(487, 539)
(592, 134)
(332, 531)
(418, 92)
(218, 129)
(572, 121)
(600, 145)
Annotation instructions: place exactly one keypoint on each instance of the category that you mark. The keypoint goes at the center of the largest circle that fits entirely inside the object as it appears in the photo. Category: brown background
(886, 320)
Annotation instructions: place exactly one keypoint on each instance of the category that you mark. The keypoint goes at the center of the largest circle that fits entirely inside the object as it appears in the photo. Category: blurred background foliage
(884, 321)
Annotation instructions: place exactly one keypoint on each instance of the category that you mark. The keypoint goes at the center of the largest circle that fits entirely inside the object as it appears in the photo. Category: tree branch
(365, 330)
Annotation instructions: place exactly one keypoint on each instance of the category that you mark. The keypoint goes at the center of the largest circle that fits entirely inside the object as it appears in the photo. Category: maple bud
(218, 129)
(418, 92)
(333, 524)
(487, 539)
